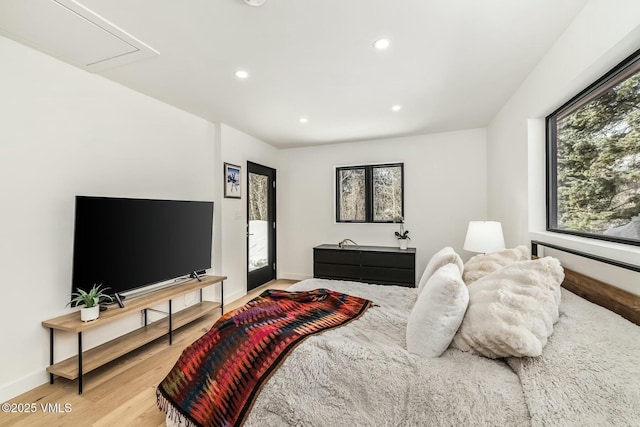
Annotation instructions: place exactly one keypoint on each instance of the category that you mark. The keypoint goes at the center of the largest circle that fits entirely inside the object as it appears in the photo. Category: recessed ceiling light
(381, 44)
(303, 120)
(241, 74)
(396, 108)
(255, 2)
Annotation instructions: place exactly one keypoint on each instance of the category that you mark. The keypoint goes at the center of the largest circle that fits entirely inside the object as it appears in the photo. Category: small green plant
(402, 234)
(91, 298)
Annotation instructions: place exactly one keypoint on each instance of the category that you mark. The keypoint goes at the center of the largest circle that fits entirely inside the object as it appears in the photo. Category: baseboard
(295, 276)
(23, 385)
(228, 299)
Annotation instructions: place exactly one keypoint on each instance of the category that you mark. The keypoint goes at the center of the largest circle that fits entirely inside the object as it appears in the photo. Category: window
(593, 159)
(370, 193)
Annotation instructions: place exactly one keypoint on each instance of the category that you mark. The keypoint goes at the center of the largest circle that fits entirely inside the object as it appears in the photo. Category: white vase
(89, 314)
(403, 244)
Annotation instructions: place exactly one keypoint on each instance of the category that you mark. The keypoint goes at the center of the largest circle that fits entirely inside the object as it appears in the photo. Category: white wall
(604, 33)
(445, 187)
(237, 148)
(66, 132)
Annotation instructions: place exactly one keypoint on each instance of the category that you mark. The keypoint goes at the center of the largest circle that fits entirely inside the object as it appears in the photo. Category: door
(261, 226)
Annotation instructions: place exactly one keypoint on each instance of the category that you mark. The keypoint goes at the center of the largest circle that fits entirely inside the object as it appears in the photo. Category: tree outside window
(593, 151)
(370, 193)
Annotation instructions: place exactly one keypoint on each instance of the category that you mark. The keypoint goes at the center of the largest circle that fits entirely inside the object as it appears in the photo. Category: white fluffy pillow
(437, 313)
(512, 311)
(483, 264)
(443, 257)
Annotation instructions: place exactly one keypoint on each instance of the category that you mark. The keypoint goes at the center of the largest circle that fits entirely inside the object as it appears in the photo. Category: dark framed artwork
(232, 181)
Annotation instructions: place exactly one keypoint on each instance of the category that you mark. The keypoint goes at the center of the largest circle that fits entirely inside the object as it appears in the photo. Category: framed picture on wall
(232, 181)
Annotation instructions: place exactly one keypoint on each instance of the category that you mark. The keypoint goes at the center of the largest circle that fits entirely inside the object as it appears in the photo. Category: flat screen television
(125, 244)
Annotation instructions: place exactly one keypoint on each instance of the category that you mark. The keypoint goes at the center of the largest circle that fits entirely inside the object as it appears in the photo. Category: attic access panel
(71, 32)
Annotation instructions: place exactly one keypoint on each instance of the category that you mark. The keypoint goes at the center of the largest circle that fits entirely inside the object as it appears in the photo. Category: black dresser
(383, 265)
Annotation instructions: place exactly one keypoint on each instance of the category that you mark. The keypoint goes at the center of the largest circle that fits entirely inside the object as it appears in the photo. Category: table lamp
(484, 237)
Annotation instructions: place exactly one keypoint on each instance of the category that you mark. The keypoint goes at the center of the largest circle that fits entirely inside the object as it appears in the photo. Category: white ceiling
(451, 64)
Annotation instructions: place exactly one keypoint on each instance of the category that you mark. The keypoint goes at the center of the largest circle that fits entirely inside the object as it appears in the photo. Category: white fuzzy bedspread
(361, 374)
(589, 372)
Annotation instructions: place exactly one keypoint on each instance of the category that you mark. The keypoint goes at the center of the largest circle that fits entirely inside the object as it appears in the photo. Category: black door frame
(265, 274)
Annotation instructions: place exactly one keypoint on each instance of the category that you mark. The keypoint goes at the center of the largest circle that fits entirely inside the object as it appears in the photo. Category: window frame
(369, 196)
(614, 76)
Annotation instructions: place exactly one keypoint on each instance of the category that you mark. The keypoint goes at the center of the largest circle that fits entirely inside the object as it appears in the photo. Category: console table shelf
(86, 361)
(102, 354)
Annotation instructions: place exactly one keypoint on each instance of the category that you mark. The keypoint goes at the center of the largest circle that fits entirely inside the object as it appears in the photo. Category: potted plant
(402, 235)
(91, 301)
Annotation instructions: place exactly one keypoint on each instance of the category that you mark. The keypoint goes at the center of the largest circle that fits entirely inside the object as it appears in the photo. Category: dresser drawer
(394, 260)
(340, 256)
(336, 271)
(387, 275)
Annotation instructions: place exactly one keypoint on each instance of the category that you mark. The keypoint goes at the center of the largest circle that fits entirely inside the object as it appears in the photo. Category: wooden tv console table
(86, 361)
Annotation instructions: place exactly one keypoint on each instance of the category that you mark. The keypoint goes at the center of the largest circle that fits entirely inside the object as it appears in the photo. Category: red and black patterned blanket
(217, 378)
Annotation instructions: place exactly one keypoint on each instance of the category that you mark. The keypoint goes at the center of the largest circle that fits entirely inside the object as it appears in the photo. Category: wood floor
(121, 393)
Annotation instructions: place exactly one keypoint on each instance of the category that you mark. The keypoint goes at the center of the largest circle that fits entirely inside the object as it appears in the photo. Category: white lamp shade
(484, 236)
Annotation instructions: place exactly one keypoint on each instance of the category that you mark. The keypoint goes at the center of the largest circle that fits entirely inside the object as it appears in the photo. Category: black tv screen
(125, 244)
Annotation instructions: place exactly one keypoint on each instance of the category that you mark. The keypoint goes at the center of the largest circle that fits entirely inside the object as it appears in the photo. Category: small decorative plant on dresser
(91, 302)
(402, 235)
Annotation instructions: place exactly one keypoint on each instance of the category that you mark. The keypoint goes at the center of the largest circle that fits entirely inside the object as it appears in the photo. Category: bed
(361, 374)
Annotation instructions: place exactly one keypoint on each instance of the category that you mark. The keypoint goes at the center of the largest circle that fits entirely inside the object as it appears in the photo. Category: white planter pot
(403, 243)
(89, 314)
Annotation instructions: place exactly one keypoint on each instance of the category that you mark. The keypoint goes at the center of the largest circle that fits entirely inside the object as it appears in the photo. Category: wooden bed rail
(625, 303)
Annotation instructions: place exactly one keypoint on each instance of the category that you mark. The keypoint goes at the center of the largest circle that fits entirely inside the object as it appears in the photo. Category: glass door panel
(261, 225)
(258, 221)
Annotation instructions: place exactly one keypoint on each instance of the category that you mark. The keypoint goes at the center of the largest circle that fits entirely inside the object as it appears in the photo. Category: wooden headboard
(625, 303)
